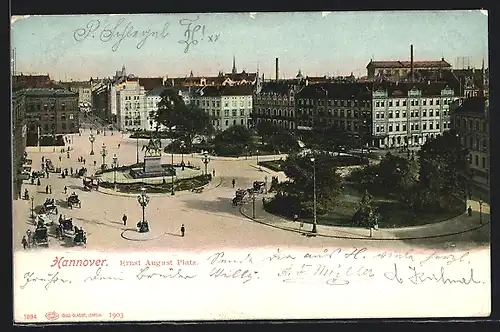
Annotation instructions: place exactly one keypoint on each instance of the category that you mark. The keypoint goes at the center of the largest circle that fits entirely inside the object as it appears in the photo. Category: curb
(261, 168)
(139, 240)
(113, 193)
(360, 237)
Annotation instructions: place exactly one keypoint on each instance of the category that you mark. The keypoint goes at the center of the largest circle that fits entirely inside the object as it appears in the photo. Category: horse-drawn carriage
(81, 172)
(67, 228)
(240, 196)
(259, 187)
(37, 174)
(90, 183)
(80, 237)
(73, 200)
(49, 165)
(40, 236)
(49, 206)
(43, 219)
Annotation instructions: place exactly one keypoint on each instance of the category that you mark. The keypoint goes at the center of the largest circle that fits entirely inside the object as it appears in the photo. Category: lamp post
(91, 140)
(183, 145)
(104, 153)
(206, 160)
(253, 206)
(257, 155)
(315, 221)
(115, 165)
(137, 149)
(480, 211)
(32, 207)
(53, 140)
(172, 192)
(143, 200)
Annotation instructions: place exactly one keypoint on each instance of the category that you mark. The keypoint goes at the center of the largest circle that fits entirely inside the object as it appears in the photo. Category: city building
(83, 90)
(153, 97)
(22, 81)
(227, 105)
(101, 93)
(470, 120)
(407, 114)
(130, 98)
(18, 141)
(344, 105)
(50, 112)
(149, 83)
(275, 102)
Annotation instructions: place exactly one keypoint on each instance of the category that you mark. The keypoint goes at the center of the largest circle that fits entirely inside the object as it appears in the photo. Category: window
(404, 102)
(233, 113)
(413, 103)
(431, 126)
(431, 113)
(416, 126)
(226, 113)
(377, 104)
(412, 126)
(397, 114)
(226, 104)
(390, 103)
(242, 122)
(437, 125)
(437, 101)
(424, 102)
(242, 113)
(63, 125)
(397, 102)
(431, 102)
(424, 113)
(227, 123)
(63, 106)
(63, 117)
(437, 112)
(234, 122)
(397, 127)
(424, 126)
(382, 103)
(390, 115)
(477, 160)
(404, 114)
(390, 128)
(404, 127)
(412, 114)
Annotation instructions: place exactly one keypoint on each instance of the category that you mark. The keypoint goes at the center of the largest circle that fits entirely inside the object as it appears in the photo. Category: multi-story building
(343, 105)
(470, 120)
(50, 112)
(130, 98)
(153, 97)
(101, 93)
(275, 102)
(18, 140)
(407, 114)
(83, 90)
(227, 105)
(149, 83)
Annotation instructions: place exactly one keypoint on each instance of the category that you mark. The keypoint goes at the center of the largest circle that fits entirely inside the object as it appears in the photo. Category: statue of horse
(153, 148)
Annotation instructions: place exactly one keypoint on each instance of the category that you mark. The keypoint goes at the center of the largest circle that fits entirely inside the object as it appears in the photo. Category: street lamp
(206, 160)
(32, 207)
(91, 140)
(115, 165)
(480, 211)
(104, 153)
(143, 200)
(183, 145)
(253, 206)
(315, 221)
(257, 154)
(137, 149)
(172, 192)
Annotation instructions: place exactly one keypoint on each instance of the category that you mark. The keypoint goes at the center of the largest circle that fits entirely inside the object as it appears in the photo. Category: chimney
(411, 62)
(277, 69)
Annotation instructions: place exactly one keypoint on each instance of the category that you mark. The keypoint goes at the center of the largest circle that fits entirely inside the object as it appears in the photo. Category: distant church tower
(234, 65)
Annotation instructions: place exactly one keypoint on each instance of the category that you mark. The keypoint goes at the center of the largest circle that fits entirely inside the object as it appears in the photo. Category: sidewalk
(458, 225)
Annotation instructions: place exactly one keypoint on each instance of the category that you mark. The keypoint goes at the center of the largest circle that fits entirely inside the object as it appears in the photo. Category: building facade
(470, 120)
(83, 90)
(130, 100)
(18, 141)
(227, 105)
(343, 105)
(403, 68)
(153, 97)
(275, 103)
(407, 115)
(50, 112)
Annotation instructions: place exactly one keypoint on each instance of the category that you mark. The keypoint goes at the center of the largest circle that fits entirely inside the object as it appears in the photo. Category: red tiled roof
(407, 64)
(32, 81)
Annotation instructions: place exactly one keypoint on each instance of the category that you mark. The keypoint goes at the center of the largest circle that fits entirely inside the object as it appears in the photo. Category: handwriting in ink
(193, 32)
(52, 278)
(119, 32)
(418, 277)
(99, 276)
(356, 253)
(177, 274)
(449, 258)
(325, 254)
(278, 255)
(391, 255)
(245, 275)
(219, 258)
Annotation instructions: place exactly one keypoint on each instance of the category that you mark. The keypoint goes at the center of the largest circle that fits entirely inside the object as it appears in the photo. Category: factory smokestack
(411, 63)
(277, 69)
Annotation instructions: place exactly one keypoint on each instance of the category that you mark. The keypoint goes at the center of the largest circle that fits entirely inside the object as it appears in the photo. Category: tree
(188, 119)
(332, 138)
(397, 174)
(444, 168)
(276, 137)
(299, 186)
(366, 215)
(233, 140)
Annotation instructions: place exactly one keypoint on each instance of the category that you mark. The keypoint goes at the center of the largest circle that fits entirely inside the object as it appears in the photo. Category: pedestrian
(71, 170)
(47, 189)
(183, 230)
(84, 161)
(38, 183)
(43, 159)
(118, 145)
(213, 172)
(295, 217)
(233, 182)
(60, 158)
(95, 162)
(65, 190)
(50, 189)
(469, 211)
(124, 218)
(24, 242)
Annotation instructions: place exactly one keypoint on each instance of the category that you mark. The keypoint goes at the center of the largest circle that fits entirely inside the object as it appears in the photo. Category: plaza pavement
(209, 217)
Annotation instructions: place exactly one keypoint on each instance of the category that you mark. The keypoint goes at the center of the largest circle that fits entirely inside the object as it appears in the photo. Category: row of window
(274, 112)
(130, 98)
(216, 103)
(413, 126)
(476, 161)
(334, 113)
(473, 143)
(340, 103)
(347, 125)
(413, 114)
(132, 122)
(476, 124)
(216, 123)
(226, 112)
(64, 126)
(413, 102)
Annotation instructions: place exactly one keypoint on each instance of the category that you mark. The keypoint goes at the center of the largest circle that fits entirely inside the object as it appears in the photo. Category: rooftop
(157, 91)
(150, 83)
(235, 90)
(407, 64)
(475, 105)
(341, 91)
(427, 89)
(43, 92)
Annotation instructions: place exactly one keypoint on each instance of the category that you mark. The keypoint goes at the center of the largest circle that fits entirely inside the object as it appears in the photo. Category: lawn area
(180, 185)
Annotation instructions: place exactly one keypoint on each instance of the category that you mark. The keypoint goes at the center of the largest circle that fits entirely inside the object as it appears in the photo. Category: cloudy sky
(338, 43)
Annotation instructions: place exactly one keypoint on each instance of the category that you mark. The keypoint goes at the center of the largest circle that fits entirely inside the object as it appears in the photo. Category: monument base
(152, 164)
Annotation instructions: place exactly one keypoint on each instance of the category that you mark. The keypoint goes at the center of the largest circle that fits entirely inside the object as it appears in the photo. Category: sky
(77, 47)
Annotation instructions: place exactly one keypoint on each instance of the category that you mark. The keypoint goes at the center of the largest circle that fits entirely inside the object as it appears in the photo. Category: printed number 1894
(29, 316)
(114, 315)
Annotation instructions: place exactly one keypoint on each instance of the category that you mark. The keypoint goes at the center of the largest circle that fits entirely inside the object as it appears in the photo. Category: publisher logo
(52, 315)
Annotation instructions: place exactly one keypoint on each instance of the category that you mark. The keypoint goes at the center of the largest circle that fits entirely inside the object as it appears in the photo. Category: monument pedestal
(152, 164)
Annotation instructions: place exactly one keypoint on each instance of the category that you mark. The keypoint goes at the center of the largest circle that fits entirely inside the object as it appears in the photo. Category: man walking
(24, 242)
(124, 218)
(65, 190)
(183, 230)
(233, 182)
(47, 189)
